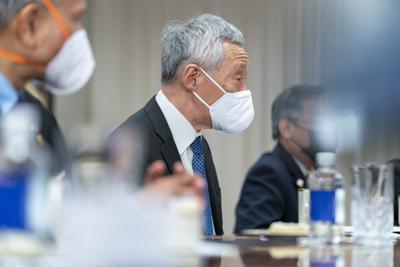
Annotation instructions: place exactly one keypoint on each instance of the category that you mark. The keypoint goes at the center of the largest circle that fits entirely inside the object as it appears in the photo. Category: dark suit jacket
(396, 191)
(160, 145)
(269, 193)
(49, 134)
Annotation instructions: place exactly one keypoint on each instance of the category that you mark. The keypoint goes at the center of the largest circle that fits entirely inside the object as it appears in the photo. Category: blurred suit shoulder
(50, 133)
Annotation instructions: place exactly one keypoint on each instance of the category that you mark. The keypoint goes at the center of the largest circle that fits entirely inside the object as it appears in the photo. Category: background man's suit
(269, 193)
(159, 145)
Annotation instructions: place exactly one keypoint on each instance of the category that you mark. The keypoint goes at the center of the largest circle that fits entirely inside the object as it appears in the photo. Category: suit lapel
(168, 150)
(213, 188)
(290, 164)
(210, 168)
(170, 154)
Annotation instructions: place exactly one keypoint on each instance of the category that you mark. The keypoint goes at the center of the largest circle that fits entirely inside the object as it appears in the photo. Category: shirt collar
(8, 95)
(182, 130)
(302, 167)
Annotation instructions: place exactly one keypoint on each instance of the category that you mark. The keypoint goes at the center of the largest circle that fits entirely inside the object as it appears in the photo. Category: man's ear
(190, 76)
(27, 24)
(285, 129)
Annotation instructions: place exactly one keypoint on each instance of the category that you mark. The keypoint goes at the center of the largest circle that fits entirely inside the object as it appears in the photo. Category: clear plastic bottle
(326, 200)
(337, 230)
(326, 256)
(23, 179)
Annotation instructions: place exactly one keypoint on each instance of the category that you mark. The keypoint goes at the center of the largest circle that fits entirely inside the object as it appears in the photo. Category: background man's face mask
(319, 143)
(233, 112)
(74, 64)
(322, 137)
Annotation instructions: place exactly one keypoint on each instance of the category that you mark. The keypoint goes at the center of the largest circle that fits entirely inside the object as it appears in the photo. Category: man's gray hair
(198, 40)
(10, 8)
(289, 104)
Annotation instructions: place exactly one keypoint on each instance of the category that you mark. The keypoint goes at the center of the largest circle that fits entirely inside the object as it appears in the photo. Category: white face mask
(233, 112)
(72, 67)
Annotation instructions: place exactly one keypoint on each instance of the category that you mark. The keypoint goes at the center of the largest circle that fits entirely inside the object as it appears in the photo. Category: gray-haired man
(269, 193)
(204, 74)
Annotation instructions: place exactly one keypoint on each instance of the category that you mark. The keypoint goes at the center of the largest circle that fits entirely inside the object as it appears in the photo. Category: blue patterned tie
(199, 169)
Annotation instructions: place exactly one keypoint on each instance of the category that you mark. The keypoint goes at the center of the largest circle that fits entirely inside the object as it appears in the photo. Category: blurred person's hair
(198, 40)
(10, 8)
(289, 104)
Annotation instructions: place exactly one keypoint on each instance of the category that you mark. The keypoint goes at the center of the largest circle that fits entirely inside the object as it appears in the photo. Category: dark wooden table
(264, 252)
(245, 251)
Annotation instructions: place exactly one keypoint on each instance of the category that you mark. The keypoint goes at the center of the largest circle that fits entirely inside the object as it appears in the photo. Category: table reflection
(373, 257)
(254, 257)
(256, 252)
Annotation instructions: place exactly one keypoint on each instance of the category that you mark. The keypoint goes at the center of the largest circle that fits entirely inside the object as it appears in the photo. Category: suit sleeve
(132, 135)
(262, 199)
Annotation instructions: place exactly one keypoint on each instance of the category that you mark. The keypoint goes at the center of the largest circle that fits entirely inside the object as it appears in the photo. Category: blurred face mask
(318, 144)
(322, 138)
(233, 112)
(72, 67)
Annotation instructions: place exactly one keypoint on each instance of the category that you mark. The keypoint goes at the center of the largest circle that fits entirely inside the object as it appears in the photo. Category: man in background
(269, 193)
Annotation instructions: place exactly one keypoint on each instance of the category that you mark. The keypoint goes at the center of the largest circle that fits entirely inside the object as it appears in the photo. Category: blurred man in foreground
(44, 41)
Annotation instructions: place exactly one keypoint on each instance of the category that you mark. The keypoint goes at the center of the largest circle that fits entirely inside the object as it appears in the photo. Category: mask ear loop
(201, 100)
(212, 80)
(15, 57)
(55, 13)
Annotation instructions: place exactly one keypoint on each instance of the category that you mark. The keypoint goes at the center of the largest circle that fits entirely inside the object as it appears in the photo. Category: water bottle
(326, 200)
(337, 230)
(23, 178)
(326, 256)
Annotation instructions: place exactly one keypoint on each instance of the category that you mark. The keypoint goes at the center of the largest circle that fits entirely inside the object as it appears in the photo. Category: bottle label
(13, 200)
(323, 206)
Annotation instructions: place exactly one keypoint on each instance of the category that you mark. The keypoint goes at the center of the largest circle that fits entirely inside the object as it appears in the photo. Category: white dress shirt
(303, 169)
(182, 130)
(8, 95)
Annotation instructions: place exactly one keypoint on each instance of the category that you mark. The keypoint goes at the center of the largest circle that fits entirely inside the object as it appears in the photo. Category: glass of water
(372, 203)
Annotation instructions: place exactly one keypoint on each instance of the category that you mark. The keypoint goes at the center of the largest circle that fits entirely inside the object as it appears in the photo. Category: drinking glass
(372, 203)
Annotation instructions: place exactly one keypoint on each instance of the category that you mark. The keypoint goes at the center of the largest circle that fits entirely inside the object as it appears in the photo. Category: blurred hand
(180, 183)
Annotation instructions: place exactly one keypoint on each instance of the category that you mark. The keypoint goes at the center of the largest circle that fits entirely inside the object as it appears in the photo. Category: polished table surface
(233, 251)
(262, 252)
